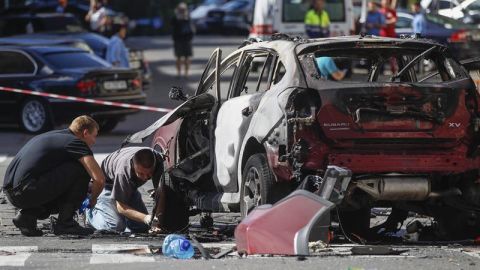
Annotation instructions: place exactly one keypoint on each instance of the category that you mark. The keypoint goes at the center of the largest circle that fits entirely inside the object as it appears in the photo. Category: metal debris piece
(224, 253)
(376, 250)
(200, 247)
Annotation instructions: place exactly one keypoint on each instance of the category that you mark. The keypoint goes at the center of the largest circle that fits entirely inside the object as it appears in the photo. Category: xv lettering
(454, 125)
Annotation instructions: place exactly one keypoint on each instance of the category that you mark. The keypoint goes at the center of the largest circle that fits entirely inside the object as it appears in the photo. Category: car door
(17, 70)
(235, 114)
(190, 104)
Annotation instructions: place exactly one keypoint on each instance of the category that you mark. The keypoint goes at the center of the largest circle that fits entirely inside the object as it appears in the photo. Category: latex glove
(148, 218)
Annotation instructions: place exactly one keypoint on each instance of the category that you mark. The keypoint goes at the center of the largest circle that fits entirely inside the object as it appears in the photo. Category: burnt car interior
(375, 65)
(196, 136)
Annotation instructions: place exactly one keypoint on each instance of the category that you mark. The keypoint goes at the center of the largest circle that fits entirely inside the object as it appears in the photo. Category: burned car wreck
(249, 136)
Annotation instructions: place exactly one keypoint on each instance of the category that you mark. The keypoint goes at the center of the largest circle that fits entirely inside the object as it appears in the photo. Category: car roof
(44, 49)
(38, 15)
(26, 40)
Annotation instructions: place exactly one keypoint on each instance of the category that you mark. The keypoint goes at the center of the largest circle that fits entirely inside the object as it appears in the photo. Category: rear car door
(17, 70)
(236, 113)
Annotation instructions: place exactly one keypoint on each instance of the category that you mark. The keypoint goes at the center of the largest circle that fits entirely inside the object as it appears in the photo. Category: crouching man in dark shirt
(51, 174)
(120, 207)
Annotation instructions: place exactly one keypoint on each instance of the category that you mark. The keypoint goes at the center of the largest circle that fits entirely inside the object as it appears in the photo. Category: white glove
(148, 218)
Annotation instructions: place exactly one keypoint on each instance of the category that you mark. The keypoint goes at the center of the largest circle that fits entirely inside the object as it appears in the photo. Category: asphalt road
(115, 252)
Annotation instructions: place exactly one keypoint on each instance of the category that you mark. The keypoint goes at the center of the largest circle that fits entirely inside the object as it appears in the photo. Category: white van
(287, 16)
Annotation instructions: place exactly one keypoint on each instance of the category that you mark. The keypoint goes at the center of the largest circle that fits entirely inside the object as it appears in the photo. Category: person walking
(117, 52)
(97, 17)
(51, 174)
(317, 21)
(120, 206)
(375, 20)
(182, 34)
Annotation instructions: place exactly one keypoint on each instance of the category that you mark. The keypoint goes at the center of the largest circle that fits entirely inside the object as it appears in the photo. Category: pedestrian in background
(418, 22)
(51, 174)
(63, 7)
(97, 17)
(317, 21)
(375, 20)
(117, 52)
(182, 34)
(388, 30)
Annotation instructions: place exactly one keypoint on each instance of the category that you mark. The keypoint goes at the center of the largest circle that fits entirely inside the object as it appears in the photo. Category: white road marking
(3, 158)
(119, 253)
(15, 256)
(100, 157)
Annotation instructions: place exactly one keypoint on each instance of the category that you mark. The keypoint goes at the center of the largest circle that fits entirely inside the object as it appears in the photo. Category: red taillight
(460, 36)
(86, 86)
(261, 29)
(136, 83)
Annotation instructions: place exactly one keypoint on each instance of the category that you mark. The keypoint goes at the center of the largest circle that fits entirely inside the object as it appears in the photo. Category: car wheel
(107, 125)
(257, 184)
(35, 116)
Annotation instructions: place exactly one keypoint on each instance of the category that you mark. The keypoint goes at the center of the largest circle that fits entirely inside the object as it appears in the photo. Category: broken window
(383, 65)
(256, 74)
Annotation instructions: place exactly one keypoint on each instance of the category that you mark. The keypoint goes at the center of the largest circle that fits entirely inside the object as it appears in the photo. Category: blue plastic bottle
(176, 246)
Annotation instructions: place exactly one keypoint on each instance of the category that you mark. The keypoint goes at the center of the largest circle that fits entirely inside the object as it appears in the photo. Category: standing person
(317, 21)
(62, 7)
(375, 20)
(182, 34)
(388, 30)
(117, 53)
(418, 22)
(51, 174)
(97, 17)
(120, 206)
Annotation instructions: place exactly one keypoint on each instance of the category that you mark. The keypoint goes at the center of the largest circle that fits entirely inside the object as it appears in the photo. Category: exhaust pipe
(397, 188)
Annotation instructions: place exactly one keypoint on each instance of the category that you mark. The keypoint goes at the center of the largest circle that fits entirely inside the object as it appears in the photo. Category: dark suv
(411, 139)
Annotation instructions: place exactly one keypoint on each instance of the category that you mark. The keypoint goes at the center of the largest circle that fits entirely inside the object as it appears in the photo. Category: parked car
(467, 10)
(463, 39)
(63, 26)
(232, 17)
(200, 13)
(66, 71)
(249, 138)
(34, 40)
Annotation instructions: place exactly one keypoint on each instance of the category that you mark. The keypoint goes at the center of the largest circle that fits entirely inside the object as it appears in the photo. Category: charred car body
(410, 139)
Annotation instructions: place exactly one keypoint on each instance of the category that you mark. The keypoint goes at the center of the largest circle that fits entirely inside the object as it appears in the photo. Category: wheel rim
(34, 116)
(252, 196)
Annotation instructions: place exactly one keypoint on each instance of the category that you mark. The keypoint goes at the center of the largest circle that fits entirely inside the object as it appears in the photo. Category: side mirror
(176, 93)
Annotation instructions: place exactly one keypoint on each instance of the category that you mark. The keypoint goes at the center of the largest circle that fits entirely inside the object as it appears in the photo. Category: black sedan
(52, 26)
(66, 71)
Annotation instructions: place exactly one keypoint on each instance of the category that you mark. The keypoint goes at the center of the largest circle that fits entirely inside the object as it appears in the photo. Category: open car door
(473, 67)
(199, 100)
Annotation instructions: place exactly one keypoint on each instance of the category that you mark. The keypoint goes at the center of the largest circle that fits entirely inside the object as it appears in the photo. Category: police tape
(86, 100)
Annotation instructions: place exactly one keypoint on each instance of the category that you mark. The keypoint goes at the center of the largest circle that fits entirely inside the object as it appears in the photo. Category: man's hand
(147, 220)
(93, 202)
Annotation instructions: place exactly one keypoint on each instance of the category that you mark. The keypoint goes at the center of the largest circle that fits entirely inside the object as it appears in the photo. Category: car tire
(107, 125)
(257, 184)
(35, 116)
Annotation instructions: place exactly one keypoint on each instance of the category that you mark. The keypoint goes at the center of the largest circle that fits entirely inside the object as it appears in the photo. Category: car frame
(239, 147)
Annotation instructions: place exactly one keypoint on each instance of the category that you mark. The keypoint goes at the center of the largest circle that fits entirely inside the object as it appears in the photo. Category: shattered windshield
(387, 64)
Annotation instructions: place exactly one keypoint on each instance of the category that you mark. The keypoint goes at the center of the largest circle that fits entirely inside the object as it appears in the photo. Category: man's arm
(93, 169)
(129, 212)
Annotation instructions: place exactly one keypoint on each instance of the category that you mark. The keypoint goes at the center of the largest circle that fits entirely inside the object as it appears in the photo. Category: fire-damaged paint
(411, 139)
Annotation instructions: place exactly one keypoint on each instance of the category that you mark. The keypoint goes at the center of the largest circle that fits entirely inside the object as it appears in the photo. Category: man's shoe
(71, 228)
(27, 225)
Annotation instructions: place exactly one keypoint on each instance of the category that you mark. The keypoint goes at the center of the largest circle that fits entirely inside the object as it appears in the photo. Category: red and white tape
(87, 100)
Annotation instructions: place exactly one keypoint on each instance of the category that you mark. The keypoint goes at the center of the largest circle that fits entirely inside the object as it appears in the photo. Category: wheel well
(252, 147)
